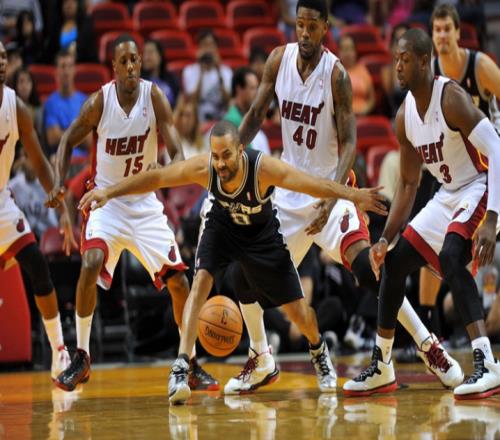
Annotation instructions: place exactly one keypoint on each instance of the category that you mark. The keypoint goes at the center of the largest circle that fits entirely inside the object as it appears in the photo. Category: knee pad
(34, 264)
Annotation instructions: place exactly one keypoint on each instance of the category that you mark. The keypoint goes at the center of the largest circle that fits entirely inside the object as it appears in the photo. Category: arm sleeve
(486, 140)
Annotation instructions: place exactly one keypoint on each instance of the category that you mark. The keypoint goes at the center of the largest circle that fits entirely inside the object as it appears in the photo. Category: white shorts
(140, 227)
(15, 232)
(460, 211)
(345, 226)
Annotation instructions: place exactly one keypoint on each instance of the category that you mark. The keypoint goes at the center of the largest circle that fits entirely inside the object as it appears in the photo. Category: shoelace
(479, 368)
(179, 372)
(321, 361)
(369, 372)
(249, 367)
(436, 357)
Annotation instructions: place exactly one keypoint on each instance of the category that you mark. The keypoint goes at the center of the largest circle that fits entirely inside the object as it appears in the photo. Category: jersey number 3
(137, 165)
(311, 136)
(445, 170)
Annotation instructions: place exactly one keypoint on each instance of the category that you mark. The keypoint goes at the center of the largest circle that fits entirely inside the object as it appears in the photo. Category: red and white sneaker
(379, 377)
(484, 382)
(60, 361)
(259, 370)
(440, 363)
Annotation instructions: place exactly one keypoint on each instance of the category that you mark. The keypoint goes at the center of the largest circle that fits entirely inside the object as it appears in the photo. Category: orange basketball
(220, 325)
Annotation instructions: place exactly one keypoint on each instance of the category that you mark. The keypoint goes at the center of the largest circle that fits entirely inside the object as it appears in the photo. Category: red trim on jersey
(468, 228)
(352, 237)
(423, 248)
(16, 247)
(479, 160)
(158, 281)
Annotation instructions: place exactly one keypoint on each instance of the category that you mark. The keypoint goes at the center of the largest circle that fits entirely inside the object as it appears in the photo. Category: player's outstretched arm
(488, 75)
(165, 124)
(274, 172)
(87, 120)
(253, 118)
(194, 170)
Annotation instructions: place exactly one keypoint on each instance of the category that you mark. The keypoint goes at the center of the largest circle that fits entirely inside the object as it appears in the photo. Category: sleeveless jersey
(468, 81)
(9, 134)
(449, 156)
(244, 213)
(126, 144)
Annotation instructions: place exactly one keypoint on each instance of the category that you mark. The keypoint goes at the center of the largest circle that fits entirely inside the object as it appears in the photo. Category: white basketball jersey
(307, 114)
(448, 155)
(9, 134)
(126, 145)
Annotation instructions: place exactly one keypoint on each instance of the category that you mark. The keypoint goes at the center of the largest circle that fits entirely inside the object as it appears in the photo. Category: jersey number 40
(311, 136)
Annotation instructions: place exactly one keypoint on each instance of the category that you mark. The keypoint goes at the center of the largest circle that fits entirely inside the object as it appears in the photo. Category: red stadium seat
(89, 77)
(107, 17)
(154, 16)
(265, 38)
(273, 133)
(374, 159)
(195, 14)
(367, 38)
(229, 43)
(106, 45)
(374, 130)
(468, 36)
(44, 77)
(51, 243)
(234, 63)
(246, 14)
(177, 45)
(375, 63)
(183, 198)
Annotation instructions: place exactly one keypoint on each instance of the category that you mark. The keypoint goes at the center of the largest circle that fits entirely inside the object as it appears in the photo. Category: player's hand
(369, 199)
(484, 242)
(93, 199)
(324, 208)
(377, 256)
(66, 228)
(55, 197)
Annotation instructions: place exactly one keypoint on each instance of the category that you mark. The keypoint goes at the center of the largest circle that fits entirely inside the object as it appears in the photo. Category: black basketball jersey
(244, 211)
(469, 81)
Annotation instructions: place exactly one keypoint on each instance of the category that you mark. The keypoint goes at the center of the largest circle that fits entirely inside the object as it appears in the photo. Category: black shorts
(259, 270)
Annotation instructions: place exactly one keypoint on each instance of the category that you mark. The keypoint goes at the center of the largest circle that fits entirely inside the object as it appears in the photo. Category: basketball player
(240, 225)
(319, 135)
(438, 124)
(16, 239)
(126, 114)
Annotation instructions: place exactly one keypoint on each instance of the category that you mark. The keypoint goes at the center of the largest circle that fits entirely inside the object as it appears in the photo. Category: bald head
(418, 42)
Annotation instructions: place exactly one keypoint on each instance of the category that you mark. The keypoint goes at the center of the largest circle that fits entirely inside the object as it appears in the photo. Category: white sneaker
(60, 361)
(327, 378)
(440, 363)
(353, 336)
(259, 370)
(379, 377)
(485, 381)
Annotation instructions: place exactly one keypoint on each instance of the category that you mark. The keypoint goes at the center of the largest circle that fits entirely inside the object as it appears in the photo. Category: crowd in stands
(208, 59)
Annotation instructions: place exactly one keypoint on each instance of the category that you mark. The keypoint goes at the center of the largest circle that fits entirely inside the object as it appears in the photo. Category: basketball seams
(220, 327)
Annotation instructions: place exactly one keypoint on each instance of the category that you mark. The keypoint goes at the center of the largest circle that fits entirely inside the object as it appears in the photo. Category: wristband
(383, 240)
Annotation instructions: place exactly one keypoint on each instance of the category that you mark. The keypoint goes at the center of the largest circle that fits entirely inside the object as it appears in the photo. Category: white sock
(385, 346)
(253, 316)
(83, 327)
(412, 323)
(483, 343)
(193, 351)
(54, 332)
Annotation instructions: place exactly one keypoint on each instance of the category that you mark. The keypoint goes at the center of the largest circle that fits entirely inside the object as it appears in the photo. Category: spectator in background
(208, 81)
(363, 92)
(348, 11)
(70, 29)
(288, 12)
(187, 124)
(243, 91)
(25, 89)
(154, 69)
(14, 62)
(63, 106)
(28, 40)
(10, 9)
(257, 61)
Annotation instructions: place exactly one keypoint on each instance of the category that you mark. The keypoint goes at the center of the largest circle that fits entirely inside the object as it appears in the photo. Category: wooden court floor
(130, 402)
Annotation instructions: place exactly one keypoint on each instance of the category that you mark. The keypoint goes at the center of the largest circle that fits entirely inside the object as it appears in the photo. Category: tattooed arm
(253, 119)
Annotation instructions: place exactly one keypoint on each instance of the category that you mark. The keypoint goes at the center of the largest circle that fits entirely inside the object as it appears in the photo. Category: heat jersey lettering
(303, 113)
(432, 153)
(125, 146)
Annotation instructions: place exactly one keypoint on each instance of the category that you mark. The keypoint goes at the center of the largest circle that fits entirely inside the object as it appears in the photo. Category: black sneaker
(77, 372)
(199, 379)
(178, 386)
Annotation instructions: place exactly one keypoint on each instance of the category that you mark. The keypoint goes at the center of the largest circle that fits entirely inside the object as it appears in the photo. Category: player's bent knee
(34, 264)
(178, 281)
(92, 262)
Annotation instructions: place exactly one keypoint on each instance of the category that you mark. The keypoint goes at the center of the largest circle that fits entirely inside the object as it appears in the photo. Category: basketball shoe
(77, 372)
(199, 379)
(379, 377)
(440, 363)
(325, 373)
(259, 370)
(484, 382)
(178, 382)
(60, 361)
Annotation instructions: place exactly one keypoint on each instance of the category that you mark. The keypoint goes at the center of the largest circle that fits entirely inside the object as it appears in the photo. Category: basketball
(220, 326)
